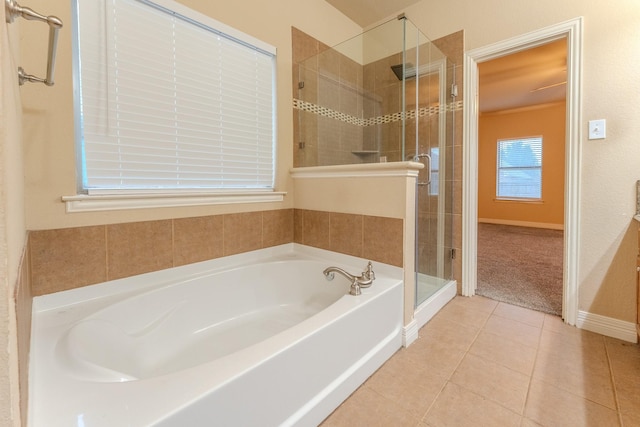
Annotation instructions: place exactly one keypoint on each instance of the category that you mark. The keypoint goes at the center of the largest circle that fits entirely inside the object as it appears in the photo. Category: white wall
(611, 167)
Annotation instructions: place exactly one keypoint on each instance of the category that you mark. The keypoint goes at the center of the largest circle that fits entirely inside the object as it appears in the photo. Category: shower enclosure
(384, 96)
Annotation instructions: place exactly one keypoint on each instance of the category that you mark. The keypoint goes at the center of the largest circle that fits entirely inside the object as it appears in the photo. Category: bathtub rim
(114, 290)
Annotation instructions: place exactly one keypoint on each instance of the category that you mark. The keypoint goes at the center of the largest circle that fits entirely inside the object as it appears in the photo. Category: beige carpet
(521, 266)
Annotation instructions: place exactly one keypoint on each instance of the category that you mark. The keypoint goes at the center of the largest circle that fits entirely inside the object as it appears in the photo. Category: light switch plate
(597, 129)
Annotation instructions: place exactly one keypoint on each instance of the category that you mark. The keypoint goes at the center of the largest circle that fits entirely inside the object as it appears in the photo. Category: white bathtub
(257, 339)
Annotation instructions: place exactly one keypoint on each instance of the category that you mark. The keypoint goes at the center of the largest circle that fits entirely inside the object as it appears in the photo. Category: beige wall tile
(316, 229)
(346, 233)
(197, 239)
(242, 232)
(297, 225)
(67, 258)
(383, 239)
(139, 247)
(277, 227)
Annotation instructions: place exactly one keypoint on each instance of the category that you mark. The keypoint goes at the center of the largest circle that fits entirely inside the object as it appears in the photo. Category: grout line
(613, 382)
(466, 352)
(533, 368)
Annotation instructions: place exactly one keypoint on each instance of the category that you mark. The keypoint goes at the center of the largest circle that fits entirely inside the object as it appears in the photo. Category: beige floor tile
(504, 351)
(445, 333)
(580, 377)
(414, 391)
(463, 313)
(524, 315)
(493, 381)
(429, 357)
(513, 330)
(551, 406)
(478, 303)
(458, 407)
(576, 365)
(630, 420)
(571, 339)
(367, 408)
(625, 366)
(526, 422)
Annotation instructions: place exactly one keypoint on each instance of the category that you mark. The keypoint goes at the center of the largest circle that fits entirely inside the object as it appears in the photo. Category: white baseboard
(410, 333)
(608, 326)
(547, 225)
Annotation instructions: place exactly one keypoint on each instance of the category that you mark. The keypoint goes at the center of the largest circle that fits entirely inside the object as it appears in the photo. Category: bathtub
(256, 339)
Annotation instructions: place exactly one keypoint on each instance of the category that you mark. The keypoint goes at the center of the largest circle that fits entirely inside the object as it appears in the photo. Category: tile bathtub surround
(376, 238)
(480, 362)
(73, 257)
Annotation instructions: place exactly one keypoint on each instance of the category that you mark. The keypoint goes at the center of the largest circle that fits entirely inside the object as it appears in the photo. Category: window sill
(110, 202)
(514, 200)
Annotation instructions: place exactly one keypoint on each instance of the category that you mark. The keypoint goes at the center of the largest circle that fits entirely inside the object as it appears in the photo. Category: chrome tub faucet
(357, 282)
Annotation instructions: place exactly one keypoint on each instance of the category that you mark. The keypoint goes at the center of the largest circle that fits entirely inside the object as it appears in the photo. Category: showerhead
(410, 70)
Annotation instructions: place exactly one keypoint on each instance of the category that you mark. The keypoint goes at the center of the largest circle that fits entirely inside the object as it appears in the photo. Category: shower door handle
(417, 158)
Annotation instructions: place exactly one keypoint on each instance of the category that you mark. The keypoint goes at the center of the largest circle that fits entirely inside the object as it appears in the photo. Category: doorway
(521, 158)
(572, 31)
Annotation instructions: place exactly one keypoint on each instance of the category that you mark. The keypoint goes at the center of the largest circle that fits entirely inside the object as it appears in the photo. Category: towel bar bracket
(14, 10)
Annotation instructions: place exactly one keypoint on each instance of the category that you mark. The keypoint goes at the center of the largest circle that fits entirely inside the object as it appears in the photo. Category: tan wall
(48, 115)
(611, 58)
(546, 121)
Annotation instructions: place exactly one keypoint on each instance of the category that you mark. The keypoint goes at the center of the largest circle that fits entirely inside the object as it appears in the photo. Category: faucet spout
(363, 281)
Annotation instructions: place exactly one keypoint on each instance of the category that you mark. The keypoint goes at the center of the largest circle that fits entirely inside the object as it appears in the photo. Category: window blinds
(169, 103)
(520, 168)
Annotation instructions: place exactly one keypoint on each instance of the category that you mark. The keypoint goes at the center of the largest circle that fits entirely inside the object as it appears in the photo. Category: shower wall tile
(197, 239)
(139, 247)
(346, 233)
(277, 227)
(242, 232)
(67, 258)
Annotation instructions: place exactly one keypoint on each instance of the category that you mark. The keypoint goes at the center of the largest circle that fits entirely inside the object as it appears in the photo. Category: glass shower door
(426, 98)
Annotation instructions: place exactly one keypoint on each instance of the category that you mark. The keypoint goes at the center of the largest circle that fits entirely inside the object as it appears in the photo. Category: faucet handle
(369, 274)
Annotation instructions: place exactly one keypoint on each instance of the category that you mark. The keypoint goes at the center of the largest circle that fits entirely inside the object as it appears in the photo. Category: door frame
(572, 30)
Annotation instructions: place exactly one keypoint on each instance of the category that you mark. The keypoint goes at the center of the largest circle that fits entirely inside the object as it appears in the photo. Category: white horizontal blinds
(180, 106)
(520, 168)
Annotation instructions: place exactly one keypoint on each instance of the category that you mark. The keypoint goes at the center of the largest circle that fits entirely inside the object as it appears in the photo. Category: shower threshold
(436, 293)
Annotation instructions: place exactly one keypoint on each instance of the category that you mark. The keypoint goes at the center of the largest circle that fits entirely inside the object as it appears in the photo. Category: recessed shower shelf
(365, 152)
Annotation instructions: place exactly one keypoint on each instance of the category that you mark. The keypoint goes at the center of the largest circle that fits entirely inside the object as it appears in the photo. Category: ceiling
(531, 77)
(367, 12)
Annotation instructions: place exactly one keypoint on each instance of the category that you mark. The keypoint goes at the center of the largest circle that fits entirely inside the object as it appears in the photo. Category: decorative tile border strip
(310, 107)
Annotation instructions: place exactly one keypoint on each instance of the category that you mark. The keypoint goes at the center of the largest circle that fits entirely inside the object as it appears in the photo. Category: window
(519, 174)
(171, 101)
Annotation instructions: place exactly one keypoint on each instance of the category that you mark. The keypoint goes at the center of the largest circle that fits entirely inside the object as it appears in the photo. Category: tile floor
(483, 363)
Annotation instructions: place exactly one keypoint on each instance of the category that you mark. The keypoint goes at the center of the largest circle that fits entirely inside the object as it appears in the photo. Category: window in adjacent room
(519, 174)
(169, 100)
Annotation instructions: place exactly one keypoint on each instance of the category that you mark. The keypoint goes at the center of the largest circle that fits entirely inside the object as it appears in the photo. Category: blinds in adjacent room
(519, 174)
(172, 102)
